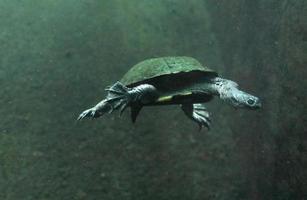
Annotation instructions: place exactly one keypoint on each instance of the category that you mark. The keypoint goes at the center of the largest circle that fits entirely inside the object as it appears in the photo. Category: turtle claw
(87, 113)
(198, 113)
(201, 116)
(203, 122)
(83, 115)
(97, 111)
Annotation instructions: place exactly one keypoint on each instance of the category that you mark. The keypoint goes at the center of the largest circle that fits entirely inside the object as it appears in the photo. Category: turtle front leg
(198, 113)
(119, 98)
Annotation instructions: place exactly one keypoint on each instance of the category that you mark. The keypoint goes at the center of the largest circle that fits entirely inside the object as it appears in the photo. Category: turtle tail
(118, 96)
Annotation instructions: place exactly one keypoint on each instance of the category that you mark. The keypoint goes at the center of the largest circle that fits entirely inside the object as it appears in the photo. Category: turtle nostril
(259, 104)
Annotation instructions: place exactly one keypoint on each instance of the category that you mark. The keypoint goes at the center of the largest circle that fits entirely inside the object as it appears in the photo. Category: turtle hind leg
(198, 113)
(119, 98)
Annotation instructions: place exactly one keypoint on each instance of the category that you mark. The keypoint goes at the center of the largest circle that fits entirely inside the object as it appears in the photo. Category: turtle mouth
(257, 105)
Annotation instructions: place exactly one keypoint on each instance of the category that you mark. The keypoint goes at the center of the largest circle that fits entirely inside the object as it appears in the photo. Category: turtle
(173, 80)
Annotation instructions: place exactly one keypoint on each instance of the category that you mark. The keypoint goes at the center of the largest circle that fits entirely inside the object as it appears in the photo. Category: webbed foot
(198, 113)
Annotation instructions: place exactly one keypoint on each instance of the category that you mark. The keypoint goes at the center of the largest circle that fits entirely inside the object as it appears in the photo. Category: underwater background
(57, 57)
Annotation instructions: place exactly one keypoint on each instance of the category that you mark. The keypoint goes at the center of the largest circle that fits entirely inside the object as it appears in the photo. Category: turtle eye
(250, 101)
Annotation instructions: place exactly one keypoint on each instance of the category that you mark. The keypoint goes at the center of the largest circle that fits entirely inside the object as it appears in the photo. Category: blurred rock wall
(265, 43)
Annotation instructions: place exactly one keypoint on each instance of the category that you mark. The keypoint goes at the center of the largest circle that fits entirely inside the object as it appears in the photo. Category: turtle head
(238, 98)
(229, 92)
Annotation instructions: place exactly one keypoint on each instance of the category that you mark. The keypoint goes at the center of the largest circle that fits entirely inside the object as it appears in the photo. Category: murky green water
(57, 57)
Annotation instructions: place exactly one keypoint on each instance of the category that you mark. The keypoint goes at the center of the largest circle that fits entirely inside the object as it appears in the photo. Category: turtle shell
(164, 66)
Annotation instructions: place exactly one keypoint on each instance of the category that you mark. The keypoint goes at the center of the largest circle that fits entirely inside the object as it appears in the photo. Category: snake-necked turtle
(171, 80)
